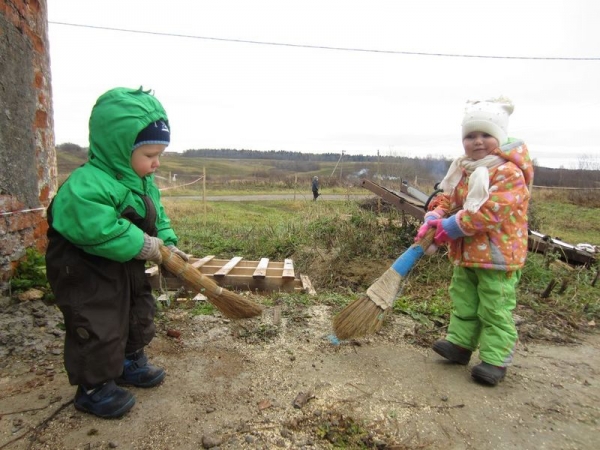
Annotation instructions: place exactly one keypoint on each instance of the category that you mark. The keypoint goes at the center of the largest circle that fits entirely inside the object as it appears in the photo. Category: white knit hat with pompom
(489, 116)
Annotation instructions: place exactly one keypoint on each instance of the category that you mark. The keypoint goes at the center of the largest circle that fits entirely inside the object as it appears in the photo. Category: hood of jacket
(516, 152)
(116, 119)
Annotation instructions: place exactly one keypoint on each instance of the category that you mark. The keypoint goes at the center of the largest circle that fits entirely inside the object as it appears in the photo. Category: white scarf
(479, 179)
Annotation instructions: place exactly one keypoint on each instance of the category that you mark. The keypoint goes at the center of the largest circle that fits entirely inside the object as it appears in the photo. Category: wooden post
(548, 289)
(277, 315)
(295, 185)
(563, 286)
(204, 191)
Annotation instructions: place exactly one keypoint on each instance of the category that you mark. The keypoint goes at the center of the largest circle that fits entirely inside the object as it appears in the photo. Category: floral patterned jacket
(494, 237)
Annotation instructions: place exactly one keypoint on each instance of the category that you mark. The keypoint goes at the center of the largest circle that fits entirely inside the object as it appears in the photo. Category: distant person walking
(315, 188)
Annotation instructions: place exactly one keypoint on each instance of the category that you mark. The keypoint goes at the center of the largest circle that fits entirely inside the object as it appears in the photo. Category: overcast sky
(222, 92)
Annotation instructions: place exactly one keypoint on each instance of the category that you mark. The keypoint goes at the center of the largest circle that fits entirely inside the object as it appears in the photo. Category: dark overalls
(107, 305)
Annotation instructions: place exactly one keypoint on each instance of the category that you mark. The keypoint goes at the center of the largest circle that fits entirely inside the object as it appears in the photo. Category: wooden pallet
(238, 274)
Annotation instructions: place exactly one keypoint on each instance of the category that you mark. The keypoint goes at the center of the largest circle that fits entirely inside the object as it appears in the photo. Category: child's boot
(488, 374)
(137, 371)
(452, 352)
(106, 400)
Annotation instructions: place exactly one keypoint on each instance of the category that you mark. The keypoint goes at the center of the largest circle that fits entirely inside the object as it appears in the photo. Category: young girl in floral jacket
(482, 216)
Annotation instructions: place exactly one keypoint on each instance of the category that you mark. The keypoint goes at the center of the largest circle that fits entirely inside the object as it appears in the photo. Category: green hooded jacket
(87, 209)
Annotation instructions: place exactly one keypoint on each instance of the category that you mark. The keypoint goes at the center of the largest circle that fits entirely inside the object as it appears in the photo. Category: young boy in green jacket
(105, 222)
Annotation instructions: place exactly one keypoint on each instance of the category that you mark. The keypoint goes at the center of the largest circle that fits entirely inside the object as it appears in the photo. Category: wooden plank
(238, 274)
(152, 271)
(288, 269)
(261, 268)
(277, 315)
(245, 264)
(228, 267)
(267, 284)
(201, 262)
(400, 201)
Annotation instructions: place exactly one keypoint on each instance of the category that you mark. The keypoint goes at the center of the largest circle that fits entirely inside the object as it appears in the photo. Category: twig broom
(229, 303)
(365, 314)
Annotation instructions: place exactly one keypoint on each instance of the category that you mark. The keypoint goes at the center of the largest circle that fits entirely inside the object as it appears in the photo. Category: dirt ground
(267, 383)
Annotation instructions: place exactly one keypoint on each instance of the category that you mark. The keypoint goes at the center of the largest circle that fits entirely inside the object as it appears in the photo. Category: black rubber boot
(137, 371)
(108, 400)
(452, 352)
(488, 374)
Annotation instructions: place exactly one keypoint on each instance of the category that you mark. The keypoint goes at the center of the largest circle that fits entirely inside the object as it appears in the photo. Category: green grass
(344, 248)
(571, 223)
(229, 228)
(203, 309)
(31, 272)
(260, 229)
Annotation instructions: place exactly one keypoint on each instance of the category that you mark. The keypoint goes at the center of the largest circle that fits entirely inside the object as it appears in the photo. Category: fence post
(548, 289)
(204, 191)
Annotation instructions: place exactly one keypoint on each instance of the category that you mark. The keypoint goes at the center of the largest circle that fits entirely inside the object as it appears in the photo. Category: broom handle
(426, 240)
(173, 267)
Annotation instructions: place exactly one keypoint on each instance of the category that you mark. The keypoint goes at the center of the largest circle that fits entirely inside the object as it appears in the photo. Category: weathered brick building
(27, 153)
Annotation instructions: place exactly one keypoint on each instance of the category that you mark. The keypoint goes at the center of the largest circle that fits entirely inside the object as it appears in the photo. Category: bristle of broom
(364, 316)
(232, 305)
(359, 318)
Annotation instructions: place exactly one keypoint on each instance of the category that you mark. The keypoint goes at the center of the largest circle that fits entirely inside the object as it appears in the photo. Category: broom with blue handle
(365, 315)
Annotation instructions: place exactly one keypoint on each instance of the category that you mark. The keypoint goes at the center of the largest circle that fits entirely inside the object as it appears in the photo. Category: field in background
(183, 174)
(573, 221)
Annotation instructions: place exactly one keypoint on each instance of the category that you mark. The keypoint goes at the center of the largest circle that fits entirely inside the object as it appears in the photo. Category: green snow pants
(482, 304)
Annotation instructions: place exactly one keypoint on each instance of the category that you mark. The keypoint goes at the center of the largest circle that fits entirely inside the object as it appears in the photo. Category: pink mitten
(424, 229)
(441, 236)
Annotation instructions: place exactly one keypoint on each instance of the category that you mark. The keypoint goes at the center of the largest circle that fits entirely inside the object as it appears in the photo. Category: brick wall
(27, 153)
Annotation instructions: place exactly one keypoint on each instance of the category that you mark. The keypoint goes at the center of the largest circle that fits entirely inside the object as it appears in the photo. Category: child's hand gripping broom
(365, 314)
(229, 303)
